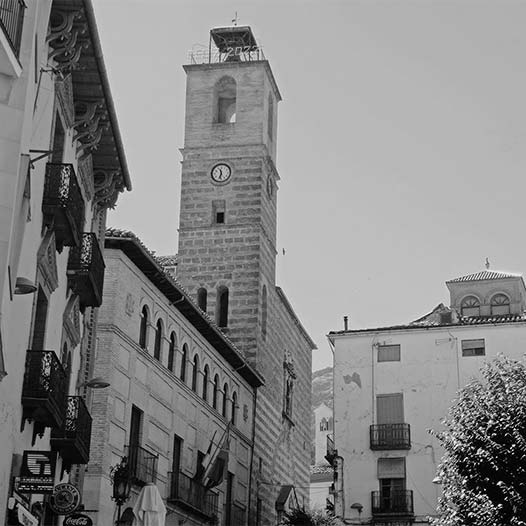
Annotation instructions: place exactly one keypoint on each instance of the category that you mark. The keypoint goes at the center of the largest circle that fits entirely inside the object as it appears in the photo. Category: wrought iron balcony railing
(192, 495)
(72, 439)
(395, 502)
(332, 452)
(142, 464)
(63, 205)
(11, 22)
(44, 389)
(237, 515)
(86, 271)
(390, 436)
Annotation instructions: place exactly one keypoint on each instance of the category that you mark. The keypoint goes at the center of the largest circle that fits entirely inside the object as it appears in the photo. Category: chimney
(346, 323)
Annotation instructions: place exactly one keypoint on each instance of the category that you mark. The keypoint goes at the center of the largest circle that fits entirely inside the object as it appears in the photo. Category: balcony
(63, 205)
(390, 436)
(193, 496)
(11, 21)
(44, 390)
(72, 439)
(332, 452)
(86, 271)
(238, 515)
(142, 464)
(397, 503)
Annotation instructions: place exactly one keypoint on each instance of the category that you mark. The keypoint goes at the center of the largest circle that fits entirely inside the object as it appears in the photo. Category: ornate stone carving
(89, 126)
(107, 188)
(47, 261)
(85, 173)
(71, 320)
(64, 93)
(63, 39)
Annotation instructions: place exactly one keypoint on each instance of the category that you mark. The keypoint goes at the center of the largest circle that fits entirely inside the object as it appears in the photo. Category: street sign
(77, 519)
(37, 472)
(65, 499)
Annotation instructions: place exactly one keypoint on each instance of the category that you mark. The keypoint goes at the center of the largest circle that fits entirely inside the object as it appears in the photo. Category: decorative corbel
(93, 139)
(65, 26)
(84, 119)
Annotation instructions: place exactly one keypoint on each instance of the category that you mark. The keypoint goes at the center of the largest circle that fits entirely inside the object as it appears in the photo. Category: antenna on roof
(487, 263)
(234, 20)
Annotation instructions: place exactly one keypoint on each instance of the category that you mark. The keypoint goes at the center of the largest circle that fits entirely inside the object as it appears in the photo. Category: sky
(401, 142)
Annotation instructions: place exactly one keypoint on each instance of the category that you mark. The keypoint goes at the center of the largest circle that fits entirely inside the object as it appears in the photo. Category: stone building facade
(393, 384)
(227, 250)
(62, 165)
(178, 388)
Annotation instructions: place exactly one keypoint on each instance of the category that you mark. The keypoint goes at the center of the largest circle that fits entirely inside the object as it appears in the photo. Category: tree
(300, 517)
(483, 470)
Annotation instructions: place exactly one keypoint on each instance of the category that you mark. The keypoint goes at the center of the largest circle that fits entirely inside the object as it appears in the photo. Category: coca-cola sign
(77, 520)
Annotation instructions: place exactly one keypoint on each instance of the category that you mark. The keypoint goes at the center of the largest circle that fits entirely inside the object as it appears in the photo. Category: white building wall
(429, 373)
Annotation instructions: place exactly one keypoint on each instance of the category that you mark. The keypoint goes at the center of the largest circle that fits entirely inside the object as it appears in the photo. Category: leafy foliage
(483, 470)
(300, 517)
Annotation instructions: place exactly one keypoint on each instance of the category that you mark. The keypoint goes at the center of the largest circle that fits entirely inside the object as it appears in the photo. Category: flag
(215, 471)
(201, 468)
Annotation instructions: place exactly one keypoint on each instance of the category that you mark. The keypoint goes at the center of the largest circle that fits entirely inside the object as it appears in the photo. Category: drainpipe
(254, 403)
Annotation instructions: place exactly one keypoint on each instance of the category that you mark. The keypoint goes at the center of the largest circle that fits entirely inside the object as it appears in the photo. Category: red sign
(77, 520)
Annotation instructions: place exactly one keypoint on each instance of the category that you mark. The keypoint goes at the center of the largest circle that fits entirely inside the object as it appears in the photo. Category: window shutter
(389, 353)
(390, 409)
(391, 468)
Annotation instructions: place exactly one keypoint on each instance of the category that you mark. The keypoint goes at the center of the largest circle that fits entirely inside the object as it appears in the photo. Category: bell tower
(227, 229)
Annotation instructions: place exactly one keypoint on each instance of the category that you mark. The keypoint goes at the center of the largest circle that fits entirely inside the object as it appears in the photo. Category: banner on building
(37, 472)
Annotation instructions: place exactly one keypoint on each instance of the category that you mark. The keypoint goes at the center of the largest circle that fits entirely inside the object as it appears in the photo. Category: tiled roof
(485, 275)
(167, 261)
(462, 322)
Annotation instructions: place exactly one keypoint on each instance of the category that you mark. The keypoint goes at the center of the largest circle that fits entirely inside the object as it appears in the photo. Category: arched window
(201, 298)
(225, 99)
(182, 373)
(224, 410)
(158, 340)
(470, 306)
(206, 374)
(500, 304)
(264, 312)
(234, 407)
(222, 306)
(143, 331)
(216, 391)
(195, 372)
(324, 425)
(171, 352)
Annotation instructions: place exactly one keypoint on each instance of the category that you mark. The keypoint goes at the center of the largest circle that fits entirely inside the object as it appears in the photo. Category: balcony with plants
(86, 271)
(72, 438)
(43, 391)
(63, 204)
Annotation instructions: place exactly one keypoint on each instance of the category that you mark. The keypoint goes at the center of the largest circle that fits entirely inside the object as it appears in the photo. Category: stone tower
(227, 253)
(227, 230)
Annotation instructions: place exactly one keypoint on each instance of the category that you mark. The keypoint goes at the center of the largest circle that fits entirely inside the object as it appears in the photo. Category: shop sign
(77, 520)
(37, 472)
(65, 499)
(25, 517)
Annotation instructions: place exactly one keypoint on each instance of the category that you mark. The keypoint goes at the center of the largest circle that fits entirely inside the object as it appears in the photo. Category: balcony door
(135, 438)
(391, 475)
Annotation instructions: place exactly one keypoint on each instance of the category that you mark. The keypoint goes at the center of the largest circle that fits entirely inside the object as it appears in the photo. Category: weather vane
(234, 20)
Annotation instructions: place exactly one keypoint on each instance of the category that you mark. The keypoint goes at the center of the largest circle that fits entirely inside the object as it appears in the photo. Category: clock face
(221, 173)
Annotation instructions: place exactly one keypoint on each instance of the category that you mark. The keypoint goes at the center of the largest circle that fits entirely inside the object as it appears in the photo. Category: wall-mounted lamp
(95, 383)
(357, 506)
(24, 286)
